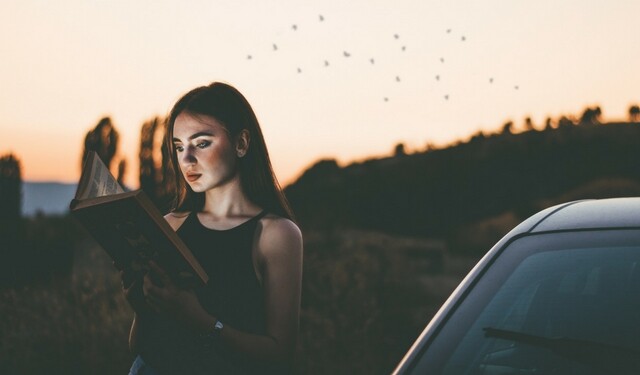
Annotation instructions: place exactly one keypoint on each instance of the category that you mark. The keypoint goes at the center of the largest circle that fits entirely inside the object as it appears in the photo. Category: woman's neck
(228, 200)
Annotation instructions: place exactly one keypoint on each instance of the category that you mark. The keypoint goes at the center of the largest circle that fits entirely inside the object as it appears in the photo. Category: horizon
(516, 129)
(348, 82)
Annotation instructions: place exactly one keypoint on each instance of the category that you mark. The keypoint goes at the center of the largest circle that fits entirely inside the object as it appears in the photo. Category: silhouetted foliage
(10, 188)
(436, 193)
(548, 124)
(528, 124)
(34, 249)
(507, 128)
(148, 178)
(399, 150)
(122, 169)
(103, 139)
(565, 122)
(634, 113)
(11, 232)
(479, 136)
(156, 176)
(591, 116)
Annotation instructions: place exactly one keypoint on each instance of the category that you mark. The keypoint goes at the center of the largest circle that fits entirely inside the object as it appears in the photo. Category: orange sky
(66, 64)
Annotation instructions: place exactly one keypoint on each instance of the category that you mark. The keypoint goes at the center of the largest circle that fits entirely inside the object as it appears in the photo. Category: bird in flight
(464, 38)
(442, 59)
(396, 36)
(446, 97)
(321, 18)
(299, 70)
(437, 77)
(249, 57)
(346, 54)
(397, 78)
(326, 63)
(275, 47)
(448, 31)
(294, 27)
(372, 60)
(490, 80)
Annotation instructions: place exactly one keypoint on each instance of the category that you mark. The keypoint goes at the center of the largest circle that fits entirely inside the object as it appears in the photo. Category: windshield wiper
(595, 354)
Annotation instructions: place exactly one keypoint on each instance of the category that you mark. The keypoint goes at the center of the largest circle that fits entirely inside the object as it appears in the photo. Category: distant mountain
(49, 198)
(437, 192)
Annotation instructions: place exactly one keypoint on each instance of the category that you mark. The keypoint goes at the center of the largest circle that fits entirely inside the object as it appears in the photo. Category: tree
(590, 116)
(528, 124)
(122, 169)
(564, 122)
(10, 189)
(634, 113)
(548, 123)
(156, 175)
(10, 215)
(103, 139)
(399, 150)
(507, 128)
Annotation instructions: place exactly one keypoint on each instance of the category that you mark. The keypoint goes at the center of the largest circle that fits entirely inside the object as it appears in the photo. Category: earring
(241, 154)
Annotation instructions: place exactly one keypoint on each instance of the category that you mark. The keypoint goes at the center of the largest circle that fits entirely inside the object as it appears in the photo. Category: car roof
(587, 214)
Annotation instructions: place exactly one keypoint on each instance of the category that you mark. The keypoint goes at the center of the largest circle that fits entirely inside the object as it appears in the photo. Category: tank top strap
(259, 216)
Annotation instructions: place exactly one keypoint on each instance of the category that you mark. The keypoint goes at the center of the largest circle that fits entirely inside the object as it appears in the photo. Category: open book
(129, 227)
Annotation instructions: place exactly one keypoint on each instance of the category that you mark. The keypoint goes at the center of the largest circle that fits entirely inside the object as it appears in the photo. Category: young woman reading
(232, 214)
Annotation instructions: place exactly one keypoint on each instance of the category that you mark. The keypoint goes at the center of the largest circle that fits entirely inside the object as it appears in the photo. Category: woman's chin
(196, 187)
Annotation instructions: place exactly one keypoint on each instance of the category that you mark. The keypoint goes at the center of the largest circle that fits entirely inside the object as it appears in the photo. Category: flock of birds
(372, 61)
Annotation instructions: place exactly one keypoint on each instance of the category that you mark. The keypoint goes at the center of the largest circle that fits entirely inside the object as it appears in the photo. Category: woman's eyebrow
(193, 136)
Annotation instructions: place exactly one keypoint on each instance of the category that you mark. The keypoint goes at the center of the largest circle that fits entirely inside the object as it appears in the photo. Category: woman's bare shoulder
(176, 219)
(279, 234)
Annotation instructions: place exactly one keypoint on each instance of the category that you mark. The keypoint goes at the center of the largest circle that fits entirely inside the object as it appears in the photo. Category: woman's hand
(164, 297)
(132, 289)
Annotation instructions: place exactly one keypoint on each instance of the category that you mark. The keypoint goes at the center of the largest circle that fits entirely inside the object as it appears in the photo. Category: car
(559, 294)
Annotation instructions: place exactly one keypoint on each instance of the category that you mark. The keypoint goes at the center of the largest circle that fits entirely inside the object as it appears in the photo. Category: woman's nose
(188, 157)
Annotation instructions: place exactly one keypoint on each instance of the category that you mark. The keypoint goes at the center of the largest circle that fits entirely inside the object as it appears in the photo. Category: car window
(549, 304)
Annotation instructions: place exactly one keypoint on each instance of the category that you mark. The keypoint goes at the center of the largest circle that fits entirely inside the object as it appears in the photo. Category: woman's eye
(179, 148)
(203, 144)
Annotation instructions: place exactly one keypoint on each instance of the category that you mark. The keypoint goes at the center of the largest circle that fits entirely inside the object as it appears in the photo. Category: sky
(327, 79)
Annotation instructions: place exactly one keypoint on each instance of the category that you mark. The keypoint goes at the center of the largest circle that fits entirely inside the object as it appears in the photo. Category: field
(366, 298)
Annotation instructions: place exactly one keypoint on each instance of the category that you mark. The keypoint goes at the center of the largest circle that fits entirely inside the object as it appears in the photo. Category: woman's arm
(279, 251)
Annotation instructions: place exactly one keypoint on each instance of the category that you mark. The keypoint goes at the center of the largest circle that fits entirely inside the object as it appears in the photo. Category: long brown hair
(229, 107)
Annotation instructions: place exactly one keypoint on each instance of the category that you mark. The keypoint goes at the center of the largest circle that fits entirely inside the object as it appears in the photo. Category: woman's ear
(242, 143)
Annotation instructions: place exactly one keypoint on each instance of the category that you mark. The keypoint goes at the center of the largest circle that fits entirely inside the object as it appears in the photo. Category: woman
(231, 213)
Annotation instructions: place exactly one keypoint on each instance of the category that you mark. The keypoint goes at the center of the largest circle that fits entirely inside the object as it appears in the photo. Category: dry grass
(366, 297)
(78, 325)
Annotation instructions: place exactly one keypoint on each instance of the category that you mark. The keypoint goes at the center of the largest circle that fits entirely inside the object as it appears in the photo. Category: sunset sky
(441, 71)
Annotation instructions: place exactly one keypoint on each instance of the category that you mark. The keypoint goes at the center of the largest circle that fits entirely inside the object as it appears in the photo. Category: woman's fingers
(161, 274)
(128, 278)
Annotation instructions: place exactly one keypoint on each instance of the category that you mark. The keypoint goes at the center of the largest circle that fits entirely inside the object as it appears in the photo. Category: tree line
(436, 192)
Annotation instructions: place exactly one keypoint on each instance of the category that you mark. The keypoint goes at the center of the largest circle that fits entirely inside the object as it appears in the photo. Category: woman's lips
(193, 176)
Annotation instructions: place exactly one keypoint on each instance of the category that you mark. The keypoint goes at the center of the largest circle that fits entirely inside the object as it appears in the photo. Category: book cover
(130, 228)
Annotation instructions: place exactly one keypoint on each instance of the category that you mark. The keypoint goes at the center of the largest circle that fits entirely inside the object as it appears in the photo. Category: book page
(97, 179)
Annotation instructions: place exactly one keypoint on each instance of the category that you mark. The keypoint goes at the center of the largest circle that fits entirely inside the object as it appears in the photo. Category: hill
(435, 193)
(50, 198)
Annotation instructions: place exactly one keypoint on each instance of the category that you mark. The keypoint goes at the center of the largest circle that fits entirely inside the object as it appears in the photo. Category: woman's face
(204, 150)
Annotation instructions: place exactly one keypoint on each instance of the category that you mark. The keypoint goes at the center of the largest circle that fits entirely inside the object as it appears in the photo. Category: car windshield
(563, 303)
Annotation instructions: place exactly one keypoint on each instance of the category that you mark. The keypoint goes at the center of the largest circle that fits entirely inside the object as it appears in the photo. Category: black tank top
(233, 295)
